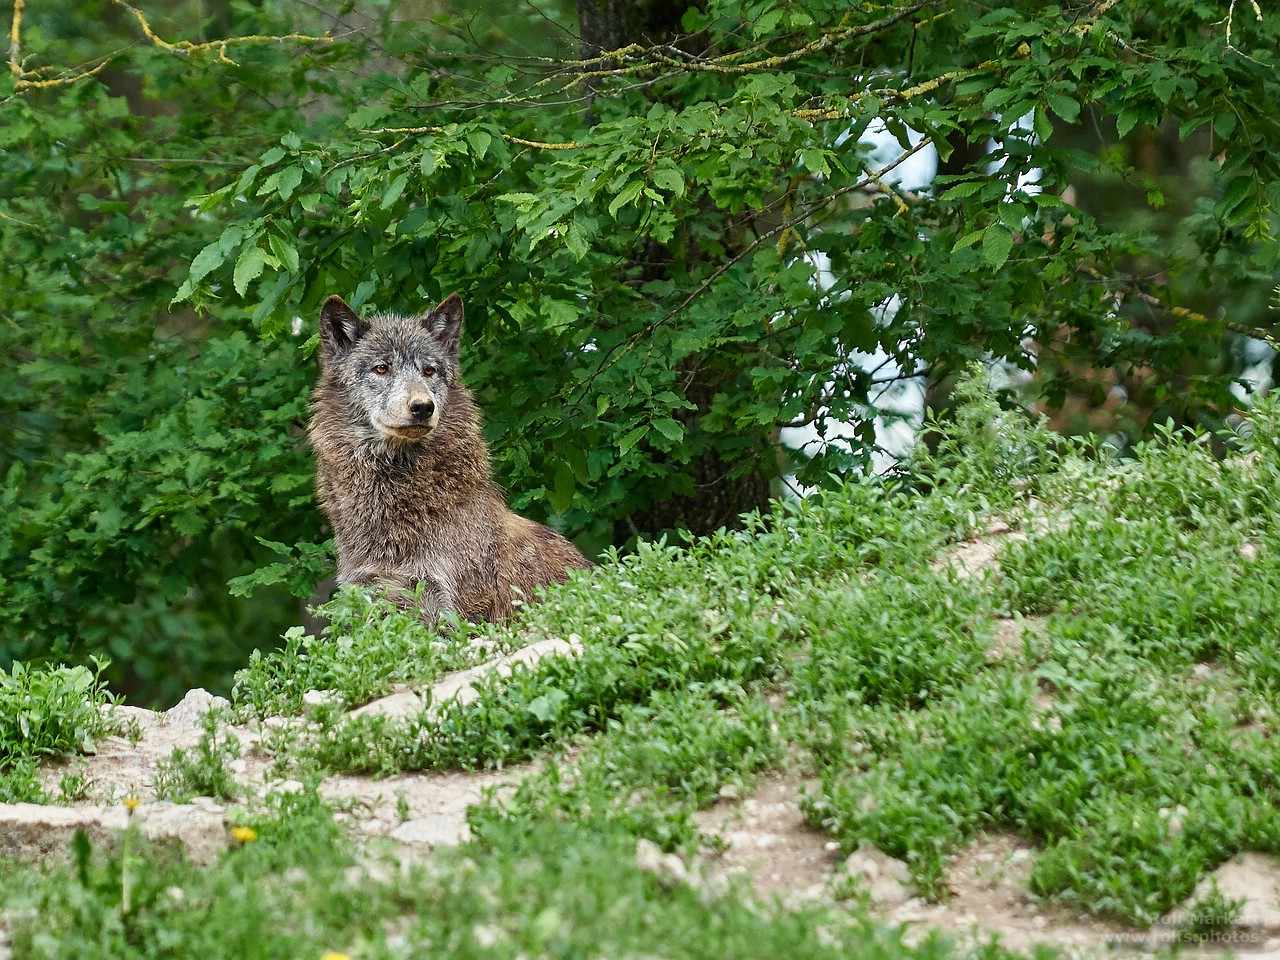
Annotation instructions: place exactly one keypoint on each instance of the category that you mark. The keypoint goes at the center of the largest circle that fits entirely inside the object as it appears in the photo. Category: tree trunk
(721, 492)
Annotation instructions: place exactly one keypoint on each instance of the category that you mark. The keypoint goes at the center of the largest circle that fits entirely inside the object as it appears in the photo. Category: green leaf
(479, 142)
(1234, 195)
(669, 428)
(560, 495)
(284, 251)
(287, 181)
(393, 192)
(632, 437)
(547, 706)
(1068, 108)
(670, 179)
(249, 267)
(1041, 125)
(625, 196)
(815, 161)
(960, 190)
(206, 261)
(1164, 88)
(1126, 121)
(996, 244)
(576, 243)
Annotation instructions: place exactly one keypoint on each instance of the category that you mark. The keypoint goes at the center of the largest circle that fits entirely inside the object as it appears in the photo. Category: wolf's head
(394, 373)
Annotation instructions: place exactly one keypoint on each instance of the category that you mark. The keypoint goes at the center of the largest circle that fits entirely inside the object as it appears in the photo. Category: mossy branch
(32, 79)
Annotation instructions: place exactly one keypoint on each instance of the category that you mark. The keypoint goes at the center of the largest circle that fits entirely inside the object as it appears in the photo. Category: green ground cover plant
(368, 646)
(201, 770)
(1106, 689)
(46, 713)
(568, 890)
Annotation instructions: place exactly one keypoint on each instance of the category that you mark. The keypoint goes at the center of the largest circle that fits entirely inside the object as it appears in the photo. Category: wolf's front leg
(429, 596)
(432, 597)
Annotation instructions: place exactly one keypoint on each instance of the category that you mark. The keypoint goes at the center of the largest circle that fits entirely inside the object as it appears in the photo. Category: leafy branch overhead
(42, 78)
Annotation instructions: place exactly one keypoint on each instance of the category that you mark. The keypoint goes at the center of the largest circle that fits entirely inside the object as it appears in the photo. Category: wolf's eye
(380, 368)
(428, 371)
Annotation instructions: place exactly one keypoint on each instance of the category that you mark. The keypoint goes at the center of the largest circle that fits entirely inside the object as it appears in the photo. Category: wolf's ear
(444, 322)
(340, 327)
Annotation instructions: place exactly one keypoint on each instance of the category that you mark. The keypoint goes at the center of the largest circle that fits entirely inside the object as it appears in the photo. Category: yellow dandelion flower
(131, 803)
(244, 834)
(334, 955)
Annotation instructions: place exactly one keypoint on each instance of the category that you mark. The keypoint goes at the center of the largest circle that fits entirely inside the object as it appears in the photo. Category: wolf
(403, 474)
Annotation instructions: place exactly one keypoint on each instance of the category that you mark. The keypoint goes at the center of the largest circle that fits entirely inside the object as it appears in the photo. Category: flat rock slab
(32, 833)
(460, 687)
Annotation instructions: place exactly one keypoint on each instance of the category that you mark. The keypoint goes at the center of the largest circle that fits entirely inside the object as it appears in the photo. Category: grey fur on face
(396, 370)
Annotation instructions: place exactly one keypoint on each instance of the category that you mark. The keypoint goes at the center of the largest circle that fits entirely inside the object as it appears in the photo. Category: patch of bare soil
(769, 843)
(989, 897)
(972, 557)
(768, 840)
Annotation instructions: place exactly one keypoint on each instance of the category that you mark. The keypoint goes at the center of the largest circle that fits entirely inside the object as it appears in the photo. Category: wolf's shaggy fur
(403, 471)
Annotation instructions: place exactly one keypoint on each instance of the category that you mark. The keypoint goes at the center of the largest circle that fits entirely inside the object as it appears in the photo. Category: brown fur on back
(420, 508)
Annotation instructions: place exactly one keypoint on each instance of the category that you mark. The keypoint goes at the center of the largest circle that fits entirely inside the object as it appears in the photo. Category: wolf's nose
(422, 409)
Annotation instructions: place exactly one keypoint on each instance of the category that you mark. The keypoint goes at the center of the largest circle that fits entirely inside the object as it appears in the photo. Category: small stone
(190, 709)
(395, 706)
(666, 866)
(885, 878)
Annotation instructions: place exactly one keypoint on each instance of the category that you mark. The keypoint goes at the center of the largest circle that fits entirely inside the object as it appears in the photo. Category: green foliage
(1122, 733)
(1105, 690)
(201, 771)
(667, 259)
(981, 446)
(44, 714)
(298, 891)
(364, 650)
(143, 449)
(651, 768)
(132, 901)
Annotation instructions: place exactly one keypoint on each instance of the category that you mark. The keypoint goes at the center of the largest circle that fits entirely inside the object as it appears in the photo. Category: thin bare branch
(25, 79)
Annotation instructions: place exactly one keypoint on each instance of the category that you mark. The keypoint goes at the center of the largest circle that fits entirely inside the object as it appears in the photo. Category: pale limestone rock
(886, 880)
(191, 709)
